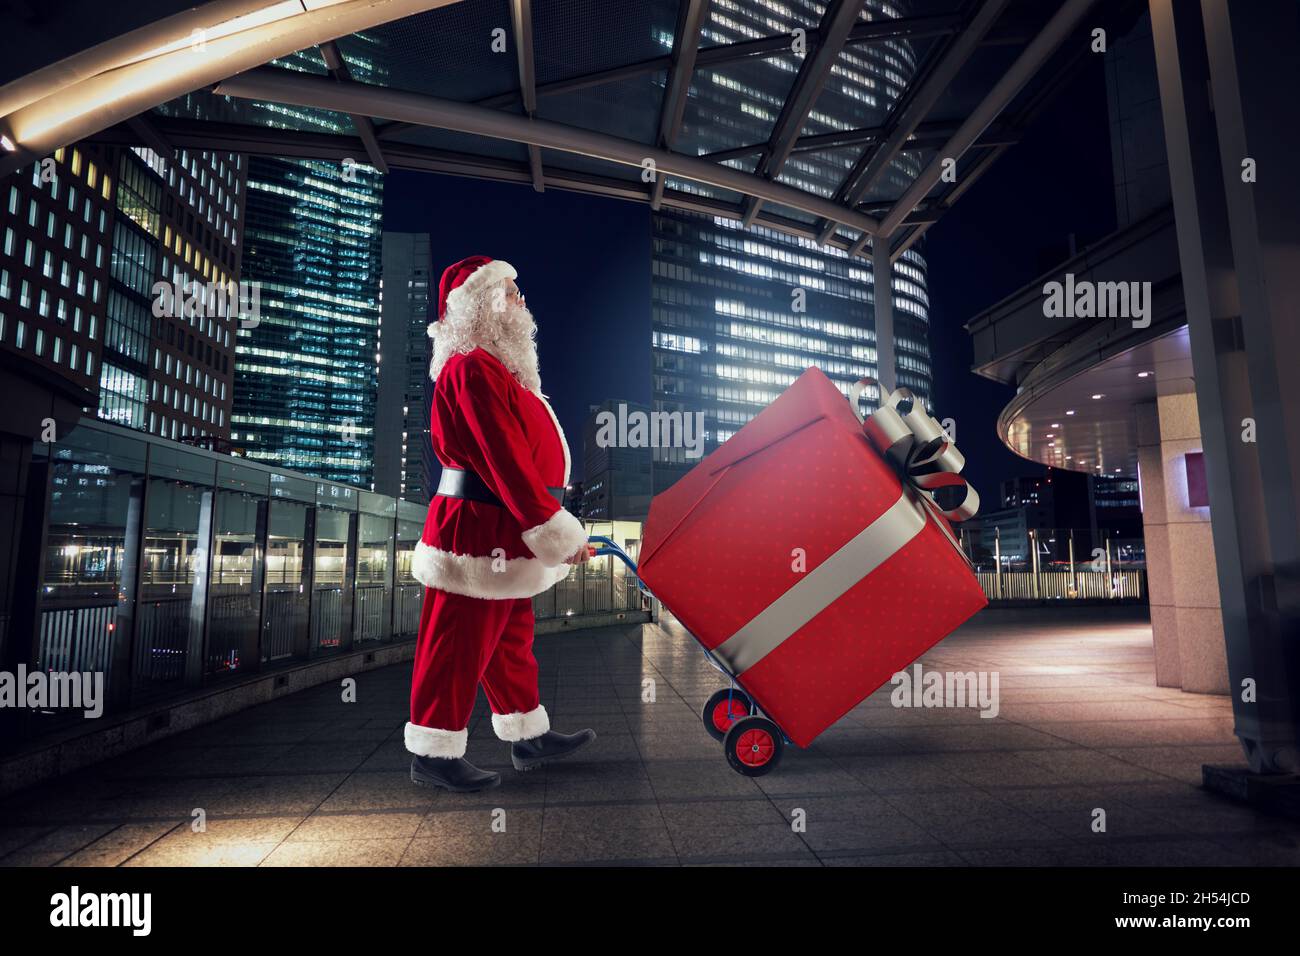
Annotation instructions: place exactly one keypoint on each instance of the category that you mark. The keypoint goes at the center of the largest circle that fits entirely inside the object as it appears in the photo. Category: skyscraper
(616, 476)
(92, 232)
(401, 413)
(738, 314)
(307, 371)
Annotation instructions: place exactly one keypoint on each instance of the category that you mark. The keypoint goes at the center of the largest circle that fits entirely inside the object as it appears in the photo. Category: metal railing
(1120, 585)
(593, 587)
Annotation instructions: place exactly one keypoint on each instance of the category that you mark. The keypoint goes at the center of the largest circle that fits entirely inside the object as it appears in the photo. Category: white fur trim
(432, 742)
(483, 276)
(521, 726)
(564, 444)
(483, 577)
(557, 538)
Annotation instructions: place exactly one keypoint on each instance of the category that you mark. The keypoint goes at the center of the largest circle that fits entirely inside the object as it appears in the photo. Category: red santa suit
(481, 563)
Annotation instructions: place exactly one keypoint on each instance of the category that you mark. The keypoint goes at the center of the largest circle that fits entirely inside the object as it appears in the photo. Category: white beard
(510, 334)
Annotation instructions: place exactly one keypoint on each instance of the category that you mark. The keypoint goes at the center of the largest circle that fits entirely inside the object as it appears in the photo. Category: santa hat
(463, 279)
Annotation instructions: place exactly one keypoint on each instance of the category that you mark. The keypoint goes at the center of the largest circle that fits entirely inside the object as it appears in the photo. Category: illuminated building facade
(401, 413)
(307, 373)
(739, 314)
(90, 232)
(179, 223)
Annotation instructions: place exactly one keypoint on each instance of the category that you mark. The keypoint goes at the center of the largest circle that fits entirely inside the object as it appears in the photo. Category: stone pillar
(1228, 72)
(1182, 576)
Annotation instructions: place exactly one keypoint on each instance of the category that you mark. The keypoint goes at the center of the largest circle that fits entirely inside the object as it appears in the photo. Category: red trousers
(464, 642)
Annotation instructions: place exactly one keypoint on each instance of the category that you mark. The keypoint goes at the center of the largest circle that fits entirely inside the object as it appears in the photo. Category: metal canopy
(606, 93)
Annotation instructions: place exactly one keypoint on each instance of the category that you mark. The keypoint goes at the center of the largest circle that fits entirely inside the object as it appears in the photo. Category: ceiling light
(1098, 395)
(1056, 424)
(1070, 412)
(1143, 374)
(7, 143)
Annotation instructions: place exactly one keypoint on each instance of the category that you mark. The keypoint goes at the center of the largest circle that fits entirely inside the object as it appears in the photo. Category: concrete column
(1182, 576)
(1228, 72)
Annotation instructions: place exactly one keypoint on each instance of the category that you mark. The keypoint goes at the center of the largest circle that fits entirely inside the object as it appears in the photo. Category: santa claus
(495, 535)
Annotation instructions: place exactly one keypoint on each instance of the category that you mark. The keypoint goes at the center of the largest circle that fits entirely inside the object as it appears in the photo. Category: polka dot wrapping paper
(751, 520)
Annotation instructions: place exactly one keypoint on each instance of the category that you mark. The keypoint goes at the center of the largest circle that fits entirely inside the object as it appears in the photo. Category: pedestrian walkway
(311, 780)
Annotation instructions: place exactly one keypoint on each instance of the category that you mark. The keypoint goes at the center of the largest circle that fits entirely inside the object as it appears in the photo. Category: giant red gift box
(719, 551)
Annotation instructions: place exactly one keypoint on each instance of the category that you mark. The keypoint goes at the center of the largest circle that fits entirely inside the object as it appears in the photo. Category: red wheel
(723, 709)
(753, 746)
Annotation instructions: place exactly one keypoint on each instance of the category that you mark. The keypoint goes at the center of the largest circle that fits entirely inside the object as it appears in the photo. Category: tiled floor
(312, 780)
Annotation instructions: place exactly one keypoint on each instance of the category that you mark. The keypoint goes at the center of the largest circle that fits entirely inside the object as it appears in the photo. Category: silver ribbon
(918, 448)
(823, 585)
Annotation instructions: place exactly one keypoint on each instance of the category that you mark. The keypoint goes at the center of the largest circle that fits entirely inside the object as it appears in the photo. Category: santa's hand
(581, 555)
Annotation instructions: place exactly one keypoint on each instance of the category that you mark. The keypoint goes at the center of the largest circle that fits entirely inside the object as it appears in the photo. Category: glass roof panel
(729, 196)
(820, 173)
(731, 22)
(460, 143)
(587, 166)
(736, 104)
(907, 165)
(445, 52)
(865, 83)
(203, 105)
(628, 109)
(566, 45)
(979, 74)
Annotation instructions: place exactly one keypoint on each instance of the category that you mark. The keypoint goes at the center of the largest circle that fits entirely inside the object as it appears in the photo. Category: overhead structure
(582, 95)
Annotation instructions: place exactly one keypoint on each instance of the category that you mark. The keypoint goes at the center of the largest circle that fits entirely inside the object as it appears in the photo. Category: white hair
(487, 318)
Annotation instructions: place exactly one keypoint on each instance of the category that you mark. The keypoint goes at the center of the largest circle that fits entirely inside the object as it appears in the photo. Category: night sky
(584, 265)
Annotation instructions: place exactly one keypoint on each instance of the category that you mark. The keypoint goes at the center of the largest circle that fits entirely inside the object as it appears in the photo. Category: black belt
(459, 483)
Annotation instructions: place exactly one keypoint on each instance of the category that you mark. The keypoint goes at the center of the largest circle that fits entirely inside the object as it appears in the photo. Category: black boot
(452, 773)
(527, 754)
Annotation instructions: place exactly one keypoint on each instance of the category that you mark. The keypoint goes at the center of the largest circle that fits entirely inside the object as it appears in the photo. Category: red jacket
(483, 420)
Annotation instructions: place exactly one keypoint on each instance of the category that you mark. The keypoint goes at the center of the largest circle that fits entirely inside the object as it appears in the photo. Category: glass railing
(1049, 564)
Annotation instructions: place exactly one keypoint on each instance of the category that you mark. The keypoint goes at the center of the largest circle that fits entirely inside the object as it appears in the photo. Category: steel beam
(364, 127)
(139, 70)
(874, 31)
(998, 139)
(123, 50)
(260, 141)
(685, 46)
(521, 20)
(915, 105)
(926, 136)
(300, 89)
(1030, 61)
(148, 133)
(836, 23)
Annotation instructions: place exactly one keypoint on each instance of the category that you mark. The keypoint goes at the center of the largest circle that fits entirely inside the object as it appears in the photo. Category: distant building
(88, 237)
(401, 413)
(307, 373)
(1054, 511)
(739, 313)
(573, 498)
(616, 478)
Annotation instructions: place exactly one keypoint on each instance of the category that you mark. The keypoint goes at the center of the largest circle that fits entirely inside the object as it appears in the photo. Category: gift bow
(918, 448)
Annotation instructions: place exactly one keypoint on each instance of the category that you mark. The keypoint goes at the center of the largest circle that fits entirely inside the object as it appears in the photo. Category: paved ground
(311, 780)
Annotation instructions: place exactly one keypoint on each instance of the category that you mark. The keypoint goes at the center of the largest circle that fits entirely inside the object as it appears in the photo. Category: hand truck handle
(607, 546)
